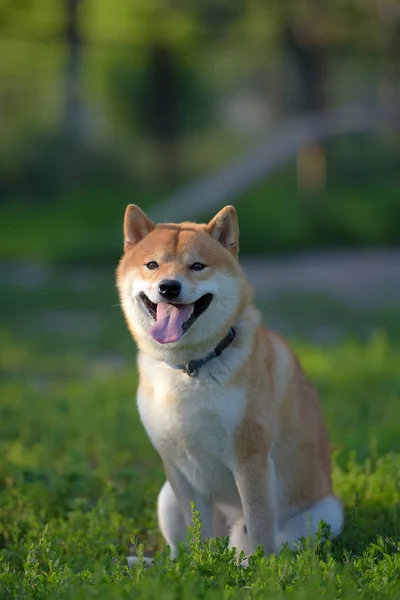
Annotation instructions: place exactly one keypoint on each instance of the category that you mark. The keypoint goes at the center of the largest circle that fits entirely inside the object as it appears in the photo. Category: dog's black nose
(169, 288)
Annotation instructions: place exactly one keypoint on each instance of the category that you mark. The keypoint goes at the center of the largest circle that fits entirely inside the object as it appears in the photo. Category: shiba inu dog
(225, 402)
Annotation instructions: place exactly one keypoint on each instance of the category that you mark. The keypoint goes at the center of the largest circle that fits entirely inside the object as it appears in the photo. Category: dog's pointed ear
(136, 226)
(224, 228)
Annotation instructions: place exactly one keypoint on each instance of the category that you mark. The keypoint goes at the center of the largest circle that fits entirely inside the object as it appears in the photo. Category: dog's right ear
(136, 226)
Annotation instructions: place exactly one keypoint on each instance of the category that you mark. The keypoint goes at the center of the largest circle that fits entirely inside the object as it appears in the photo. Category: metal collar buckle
(191, 369)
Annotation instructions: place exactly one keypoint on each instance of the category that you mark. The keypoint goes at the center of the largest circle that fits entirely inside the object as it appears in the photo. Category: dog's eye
(152, 265)
(197, 266)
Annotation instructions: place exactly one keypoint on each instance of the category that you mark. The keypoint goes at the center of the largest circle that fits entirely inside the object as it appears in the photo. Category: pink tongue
(170, 318)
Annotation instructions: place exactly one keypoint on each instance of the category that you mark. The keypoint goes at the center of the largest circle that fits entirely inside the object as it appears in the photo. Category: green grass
(79, 478)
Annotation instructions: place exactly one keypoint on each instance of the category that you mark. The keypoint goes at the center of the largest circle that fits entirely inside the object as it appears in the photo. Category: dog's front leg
(186, 494)
(255, 480)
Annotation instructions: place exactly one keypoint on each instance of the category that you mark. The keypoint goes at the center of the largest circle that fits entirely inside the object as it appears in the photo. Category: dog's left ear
(224, 228)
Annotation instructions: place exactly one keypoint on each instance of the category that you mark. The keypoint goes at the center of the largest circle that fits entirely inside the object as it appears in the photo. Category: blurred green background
(103, 103)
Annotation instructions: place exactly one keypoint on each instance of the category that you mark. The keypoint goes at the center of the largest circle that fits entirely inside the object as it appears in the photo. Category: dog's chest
(193, 424)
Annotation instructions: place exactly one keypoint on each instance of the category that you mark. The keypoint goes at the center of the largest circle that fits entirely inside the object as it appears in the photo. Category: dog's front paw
(243, 563)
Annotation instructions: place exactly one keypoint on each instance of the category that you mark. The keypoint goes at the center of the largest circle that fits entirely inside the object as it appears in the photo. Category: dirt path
(368, 277)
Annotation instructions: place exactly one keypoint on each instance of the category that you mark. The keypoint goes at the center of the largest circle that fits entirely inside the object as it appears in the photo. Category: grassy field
(79, 478)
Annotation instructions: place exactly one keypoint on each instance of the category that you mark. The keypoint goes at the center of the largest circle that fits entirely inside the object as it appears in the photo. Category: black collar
(193, 366)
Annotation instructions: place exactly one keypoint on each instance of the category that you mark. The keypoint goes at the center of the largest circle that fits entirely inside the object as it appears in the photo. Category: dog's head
(180, 284)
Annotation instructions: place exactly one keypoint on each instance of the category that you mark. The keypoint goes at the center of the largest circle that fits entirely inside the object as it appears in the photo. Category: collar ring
(191, 369)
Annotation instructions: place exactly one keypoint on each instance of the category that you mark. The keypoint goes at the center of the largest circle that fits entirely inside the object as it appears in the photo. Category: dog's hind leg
(307, 523)
(303, 524)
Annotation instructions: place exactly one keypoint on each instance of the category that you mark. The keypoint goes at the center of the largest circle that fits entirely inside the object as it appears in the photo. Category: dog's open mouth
(173, 320)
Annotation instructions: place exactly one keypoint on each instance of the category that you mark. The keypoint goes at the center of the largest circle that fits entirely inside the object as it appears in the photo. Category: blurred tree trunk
(308, 55)
(163, 101)
(310, 62)
(394, 70)
(73, 118)
(305, 47)
(396, 73)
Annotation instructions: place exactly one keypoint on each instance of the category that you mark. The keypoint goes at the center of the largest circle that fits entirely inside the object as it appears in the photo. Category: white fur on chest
(192, 423)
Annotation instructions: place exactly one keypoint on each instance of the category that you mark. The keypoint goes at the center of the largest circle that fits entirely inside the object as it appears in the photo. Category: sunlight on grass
(79, 478)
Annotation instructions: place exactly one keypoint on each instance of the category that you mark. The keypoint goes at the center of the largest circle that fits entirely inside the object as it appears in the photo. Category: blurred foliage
(358, 208)
(49, 166)
(163, 98)
(149, 89)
